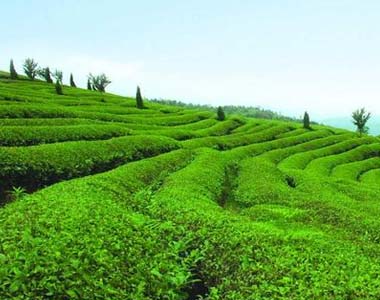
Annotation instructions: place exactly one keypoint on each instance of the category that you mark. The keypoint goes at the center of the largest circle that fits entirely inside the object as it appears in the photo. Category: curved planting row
(251, 125)
(48, 122)
(354, 170)
(260, 148)
(118, 110)
(292, 133)
(25, 136)
(81, 240)
(54, 111)
(261, 182)
(301, 160)
(35, 111)
(241, 259)
(197, 125)
(325, 165)
(371, 177)
(178, 133)
(235, 140)
(256, 128)
(36, 166)
(322, 139)
(221, 128)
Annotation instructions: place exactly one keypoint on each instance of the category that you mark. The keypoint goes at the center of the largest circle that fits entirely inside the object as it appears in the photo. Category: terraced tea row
(235, 209)
(35, 166)
(25, 136)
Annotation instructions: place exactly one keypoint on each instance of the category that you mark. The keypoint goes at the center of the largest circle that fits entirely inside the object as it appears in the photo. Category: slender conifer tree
(12, 70)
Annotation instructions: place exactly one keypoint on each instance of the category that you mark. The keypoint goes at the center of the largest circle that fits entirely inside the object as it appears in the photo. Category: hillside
(169, 203)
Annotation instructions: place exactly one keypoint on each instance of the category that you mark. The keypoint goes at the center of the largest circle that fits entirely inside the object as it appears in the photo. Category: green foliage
(45, 74)
(99, 82)
(247, 209)
(360, 118)
(58, 75)
(89, 85)
(12, 71)
(238, 139)
(33, 135)
(139, 99)
(120, 254)
(325, 165)
(46, 164)
(306, 121)
(72, 83)
(30, 68)
(58, 88)
(220, 114)
(17, 193)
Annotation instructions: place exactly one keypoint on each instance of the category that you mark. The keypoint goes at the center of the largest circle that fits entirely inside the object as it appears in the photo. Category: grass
(105, 201)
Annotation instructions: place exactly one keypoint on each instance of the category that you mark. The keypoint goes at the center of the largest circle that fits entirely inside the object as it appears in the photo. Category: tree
(58, 75)
(12, 70)
(306, 121)
(360, 118)
(220, 114)
(30, 68)
(45, 74)
(72, 83)
(99, 82)
(89, 86)
(58, 87)
(139, 99)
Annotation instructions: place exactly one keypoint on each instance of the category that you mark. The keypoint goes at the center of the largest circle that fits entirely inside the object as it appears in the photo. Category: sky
(320, 56)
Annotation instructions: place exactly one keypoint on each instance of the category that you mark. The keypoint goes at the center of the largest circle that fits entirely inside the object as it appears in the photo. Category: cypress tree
(139, 100)
(58, 87)
(306, 121)
(47, 75)
(72, 83)
(220, 114)
(89, 87)
(12, 70)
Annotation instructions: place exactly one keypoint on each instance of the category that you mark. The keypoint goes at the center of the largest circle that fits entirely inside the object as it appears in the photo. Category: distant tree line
(248, 111)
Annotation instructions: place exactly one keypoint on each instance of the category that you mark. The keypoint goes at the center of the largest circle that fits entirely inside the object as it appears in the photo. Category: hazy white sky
(322, 56)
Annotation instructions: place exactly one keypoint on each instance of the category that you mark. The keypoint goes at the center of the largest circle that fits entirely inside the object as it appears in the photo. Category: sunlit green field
(101, 200)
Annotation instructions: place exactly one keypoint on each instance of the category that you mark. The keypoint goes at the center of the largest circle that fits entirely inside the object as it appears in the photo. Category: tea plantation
(101, 200)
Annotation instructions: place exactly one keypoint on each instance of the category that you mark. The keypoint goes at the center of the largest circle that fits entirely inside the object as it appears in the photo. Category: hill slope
(168, 203)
